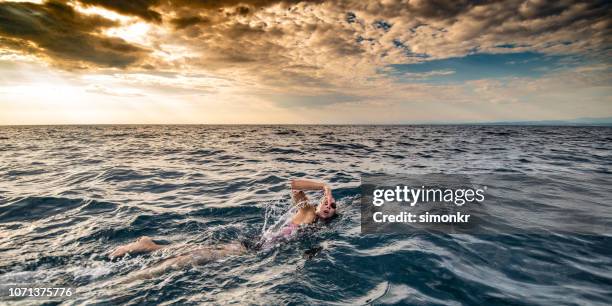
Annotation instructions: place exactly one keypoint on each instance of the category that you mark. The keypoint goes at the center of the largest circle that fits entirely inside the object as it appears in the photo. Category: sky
(303, 62)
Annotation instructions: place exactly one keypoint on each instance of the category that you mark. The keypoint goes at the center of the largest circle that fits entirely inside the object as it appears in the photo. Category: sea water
(71, 194)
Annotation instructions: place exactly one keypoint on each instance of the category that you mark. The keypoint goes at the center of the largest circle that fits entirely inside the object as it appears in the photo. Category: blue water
(69, 195)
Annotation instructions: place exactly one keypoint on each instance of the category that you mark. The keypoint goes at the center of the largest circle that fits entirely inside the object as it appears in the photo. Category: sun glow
(96, 10)
(131, 29)
(135, 32)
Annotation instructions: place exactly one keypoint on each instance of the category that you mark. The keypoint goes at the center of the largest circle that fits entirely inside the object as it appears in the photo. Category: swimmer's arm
(308, 185)
(312, 185)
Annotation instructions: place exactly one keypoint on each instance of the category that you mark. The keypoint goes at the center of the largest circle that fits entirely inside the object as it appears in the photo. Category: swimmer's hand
(328, 194)
(299, 184)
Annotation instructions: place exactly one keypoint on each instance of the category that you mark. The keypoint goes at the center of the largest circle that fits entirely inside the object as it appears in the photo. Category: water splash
(277, 215)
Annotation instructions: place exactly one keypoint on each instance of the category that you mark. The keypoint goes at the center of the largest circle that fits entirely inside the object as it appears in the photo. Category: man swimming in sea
(307, 214)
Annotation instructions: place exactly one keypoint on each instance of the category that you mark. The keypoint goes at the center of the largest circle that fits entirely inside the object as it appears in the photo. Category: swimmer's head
(327, 208)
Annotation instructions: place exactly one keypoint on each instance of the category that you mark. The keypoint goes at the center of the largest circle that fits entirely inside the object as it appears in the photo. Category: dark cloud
(150, 10)
(520, 20)
(219, 4)
(184, 22)
(58, 31)
(541, 9)
(439, 9)
(243, 10)
(200, 12)
(427, 9)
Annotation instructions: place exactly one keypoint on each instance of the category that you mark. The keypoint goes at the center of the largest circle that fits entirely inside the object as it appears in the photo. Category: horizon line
(535, 124)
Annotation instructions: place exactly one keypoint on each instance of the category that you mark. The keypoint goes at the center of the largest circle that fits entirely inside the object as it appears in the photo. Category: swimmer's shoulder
(304, 216)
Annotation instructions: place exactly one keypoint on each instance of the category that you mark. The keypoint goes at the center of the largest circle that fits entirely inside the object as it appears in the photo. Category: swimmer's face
(326, 209)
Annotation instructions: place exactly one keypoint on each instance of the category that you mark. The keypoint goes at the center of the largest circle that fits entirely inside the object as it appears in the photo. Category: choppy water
(70, 194)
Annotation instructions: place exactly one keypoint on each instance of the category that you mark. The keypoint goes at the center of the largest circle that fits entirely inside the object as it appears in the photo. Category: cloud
(153, 10)
(184, 22)
(426, 75)
(321, 53)
(140, 8)
(282, 34)
(58, 31)
(216, 5)
(311, 101)
(277, 33)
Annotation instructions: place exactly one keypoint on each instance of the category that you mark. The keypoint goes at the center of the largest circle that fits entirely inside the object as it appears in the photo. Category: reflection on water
(70, 194)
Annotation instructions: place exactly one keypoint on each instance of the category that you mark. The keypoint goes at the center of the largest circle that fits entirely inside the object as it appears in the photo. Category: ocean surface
(71, 194)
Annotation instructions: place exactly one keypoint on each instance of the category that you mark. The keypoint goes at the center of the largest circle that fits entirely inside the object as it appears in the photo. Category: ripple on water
(70, 194)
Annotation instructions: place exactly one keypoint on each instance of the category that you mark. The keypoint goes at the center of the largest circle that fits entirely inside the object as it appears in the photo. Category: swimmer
(307, 213)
